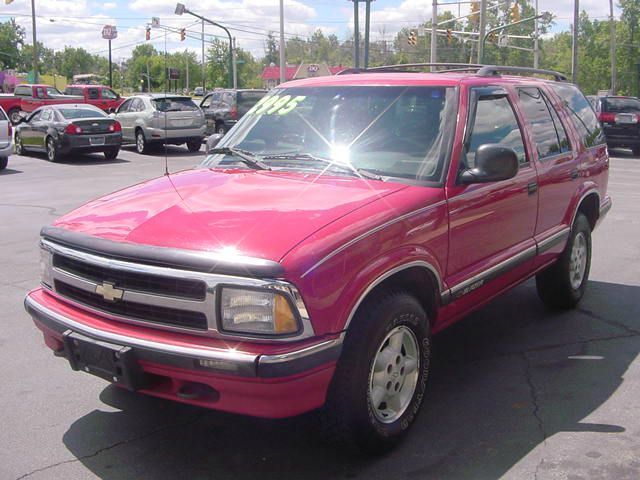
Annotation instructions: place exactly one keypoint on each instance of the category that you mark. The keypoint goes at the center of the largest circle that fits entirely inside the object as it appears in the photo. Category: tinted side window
(584, 118)
(494, 122)
(543, 127)
(560, 130)
(109, 94)
(93, 94)
(23, 91)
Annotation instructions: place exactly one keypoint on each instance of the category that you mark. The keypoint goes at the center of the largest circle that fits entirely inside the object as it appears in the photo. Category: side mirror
(212, 141)
(493, 163)
(112, 113)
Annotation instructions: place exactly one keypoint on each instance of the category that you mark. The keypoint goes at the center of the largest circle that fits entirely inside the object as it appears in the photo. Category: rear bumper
(82, 143)
(280, 383)
(6, 150)
(174, 136)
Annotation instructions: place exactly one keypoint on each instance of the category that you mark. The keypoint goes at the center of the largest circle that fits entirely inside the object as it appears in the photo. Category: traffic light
(148, 34)
(449, 35)
(183, 34)
(412, 39)
(515, 12)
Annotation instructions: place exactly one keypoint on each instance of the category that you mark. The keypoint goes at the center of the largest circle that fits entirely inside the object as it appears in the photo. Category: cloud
(109, 5)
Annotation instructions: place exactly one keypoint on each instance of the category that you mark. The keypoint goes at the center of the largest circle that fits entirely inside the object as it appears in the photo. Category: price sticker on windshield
(276, 105)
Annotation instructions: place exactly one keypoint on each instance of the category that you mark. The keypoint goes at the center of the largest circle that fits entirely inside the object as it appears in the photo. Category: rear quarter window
(3, 116)
(582, 114)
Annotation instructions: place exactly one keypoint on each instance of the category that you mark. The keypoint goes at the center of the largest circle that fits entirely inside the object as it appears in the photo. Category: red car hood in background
(259, 214)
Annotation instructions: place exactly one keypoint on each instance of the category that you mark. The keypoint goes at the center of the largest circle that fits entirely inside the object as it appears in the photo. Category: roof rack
(480, 70)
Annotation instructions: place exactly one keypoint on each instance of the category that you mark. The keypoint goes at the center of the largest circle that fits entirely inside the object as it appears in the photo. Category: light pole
(35, 43)
(283, 70)
(181, 9)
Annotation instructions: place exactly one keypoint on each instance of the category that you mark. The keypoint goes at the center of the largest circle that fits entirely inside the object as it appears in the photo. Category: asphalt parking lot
(516, 392)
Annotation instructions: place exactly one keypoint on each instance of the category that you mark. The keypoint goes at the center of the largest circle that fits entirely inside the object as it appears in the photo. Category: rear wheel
(221, 129)
(141, 142)
(194, 144)
(15, 116)
(52, 150)
(380, 380)
(111, 154)
(4, 161)
(562, 285)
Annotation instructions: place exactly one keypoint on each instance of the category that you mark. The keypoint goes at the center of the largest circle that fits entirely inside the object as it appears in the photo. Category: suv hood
(258, 214)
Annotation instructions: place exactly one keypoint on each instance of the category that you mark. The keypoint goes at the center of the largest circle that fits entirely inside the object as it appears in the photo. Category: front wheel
(141, 143)
(221, 129)
(18, 146)
(15, 116)
(562, 285)
(194, 144)
(111, 154)
(52, 150)
(380, 380)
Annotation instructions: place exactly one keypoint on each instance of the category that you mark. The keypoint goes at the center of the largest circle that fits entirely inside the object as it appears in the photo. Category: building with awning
(271, 74)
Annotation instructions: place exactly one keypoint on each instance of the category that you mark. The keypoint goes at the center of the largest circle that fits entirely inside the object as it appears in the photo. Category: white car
(6, 139)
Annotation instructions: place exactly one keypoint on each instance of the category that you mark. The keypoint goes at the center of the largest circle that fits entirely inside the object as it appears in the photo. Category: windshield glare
(393, 131)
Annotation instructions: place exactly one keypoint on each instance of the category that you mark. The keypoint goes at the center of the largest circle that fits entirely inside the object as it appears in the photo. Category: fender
(586, 189)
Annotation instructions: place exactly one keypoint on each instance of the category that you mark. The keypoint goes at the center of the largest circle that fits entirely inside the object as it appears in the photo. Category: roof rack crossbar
(404, 67)
(493, 70)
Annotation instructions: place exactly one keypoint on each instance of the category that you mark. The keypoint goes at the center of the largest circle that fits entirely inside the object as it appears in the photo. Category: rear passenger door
(556, 163)
(124, 116)
(491, 225)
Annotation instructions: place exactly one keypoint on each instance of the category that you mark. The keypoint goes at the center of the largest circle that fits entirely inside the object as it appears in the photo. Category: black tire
(14, 116)
(194, 144)
(349, 416)
(142, 146)
(18, 147)
(221, 129)
(636, 151)
(560, 286)
(4, 161)
(111, 154)
(53, 155)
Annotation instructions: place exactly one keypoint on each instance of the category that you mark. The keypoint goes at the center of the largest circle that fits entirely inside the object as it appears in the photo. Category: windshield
(70, 113)
(621, 105)
(392, 131)
(174, 105)
(52, 91)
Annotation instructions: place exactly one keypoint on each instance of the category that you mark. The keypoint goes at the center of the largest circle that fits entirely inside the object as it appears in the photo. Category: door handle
(532, 188)
(574, 174)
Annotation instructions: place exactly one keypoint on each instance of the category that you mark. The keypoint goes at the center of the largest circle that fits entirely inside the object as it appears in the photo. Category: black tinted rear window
(620, 105)
(582, 114)
(249, 99)
(174, 105)
(71, 113)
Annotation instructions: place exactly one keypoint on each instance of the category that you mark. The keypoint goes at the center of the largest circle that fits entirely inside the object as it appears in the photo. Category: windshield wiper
(307, 156)
(247, 157)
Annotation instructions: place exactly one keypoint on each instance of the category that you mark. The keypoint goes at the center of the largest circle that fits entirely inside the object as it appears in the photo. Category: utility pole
(483, 28)
(574, 47)
(235, 68)
(356, 34)
(536, 43)
(434, 32)
(187, 69)
(613, 49)
(283, 46)
(367, 26)
(204, 65)
(35, 43)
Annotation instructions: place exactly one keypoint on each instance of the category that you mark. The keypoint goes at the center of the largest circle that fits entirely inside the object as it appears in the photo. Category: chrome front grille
(143, 294)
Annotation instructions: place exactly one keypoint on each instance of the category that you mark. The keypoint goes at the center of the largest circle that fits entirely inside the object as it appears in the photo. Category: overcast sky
(79, 22)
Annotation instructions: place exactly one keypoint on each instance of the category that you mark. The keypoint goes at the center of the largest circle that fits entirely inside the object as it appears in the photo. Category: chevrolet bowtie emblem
(109, 292)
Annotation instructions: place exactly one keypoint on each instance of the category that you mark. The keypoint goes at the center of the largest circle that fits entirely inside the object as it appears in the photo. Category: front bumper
(266, 381)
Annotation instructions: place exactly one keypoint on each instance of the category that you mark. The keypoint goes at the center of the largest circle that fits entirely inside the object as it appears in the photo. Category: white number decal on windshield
(276, 105)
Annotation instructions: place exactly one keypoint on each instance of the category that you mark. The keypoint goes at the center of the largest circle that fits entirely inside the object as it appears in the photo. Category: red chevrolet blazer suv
(309, 259)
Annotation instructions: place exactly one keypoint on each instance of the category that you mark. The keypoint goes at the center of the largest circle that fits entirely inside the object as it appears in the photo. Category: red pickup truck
(98, 95)
(337, 226)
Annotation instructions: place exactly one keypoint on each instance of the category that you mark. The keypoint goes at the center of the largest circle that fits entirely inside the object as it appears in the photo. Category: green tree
(11, 40)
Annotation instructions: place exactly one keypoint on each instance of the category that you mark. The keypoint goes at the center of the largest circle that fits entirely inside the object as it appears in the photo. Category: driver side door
(491, 224)
(125, 118)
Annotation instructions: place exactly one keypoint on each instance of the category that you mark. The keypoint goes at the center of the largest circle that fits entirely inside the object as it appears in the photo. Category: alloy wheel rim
(51, 153)
(578, 261)
(140, 143)
(18, 143)
(393, 376)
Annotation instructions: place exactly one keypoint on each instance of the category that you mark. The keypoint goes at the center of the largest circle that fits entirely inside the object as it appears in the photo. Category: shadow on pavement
(503, 380)
(171, 150)
(9, 171)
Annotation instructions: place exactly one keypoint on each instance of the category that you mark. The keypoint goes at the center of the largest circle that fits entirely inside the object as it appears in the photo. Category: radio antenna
(166, 154)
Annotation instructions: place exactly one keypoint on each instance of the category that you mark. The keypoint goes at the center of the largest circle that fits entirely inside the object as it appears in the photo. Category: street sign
(109, 32)
(155, 22)
(503, 40)
(173, 73)
(421, 31)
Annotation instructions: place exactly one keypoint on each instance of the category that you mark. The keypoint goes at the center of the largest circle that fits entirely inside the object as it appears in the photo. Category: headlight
(257, 311)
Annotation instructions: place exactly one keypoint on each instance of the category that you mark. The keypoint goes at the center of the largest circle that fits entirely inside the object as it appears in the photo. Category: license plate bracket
(96, 140)
(111, 362)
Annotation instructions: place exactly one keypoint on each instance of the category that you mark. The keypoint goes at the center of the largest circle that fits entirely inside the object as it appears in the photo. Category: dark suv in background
(620, 117)
(223, 108)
